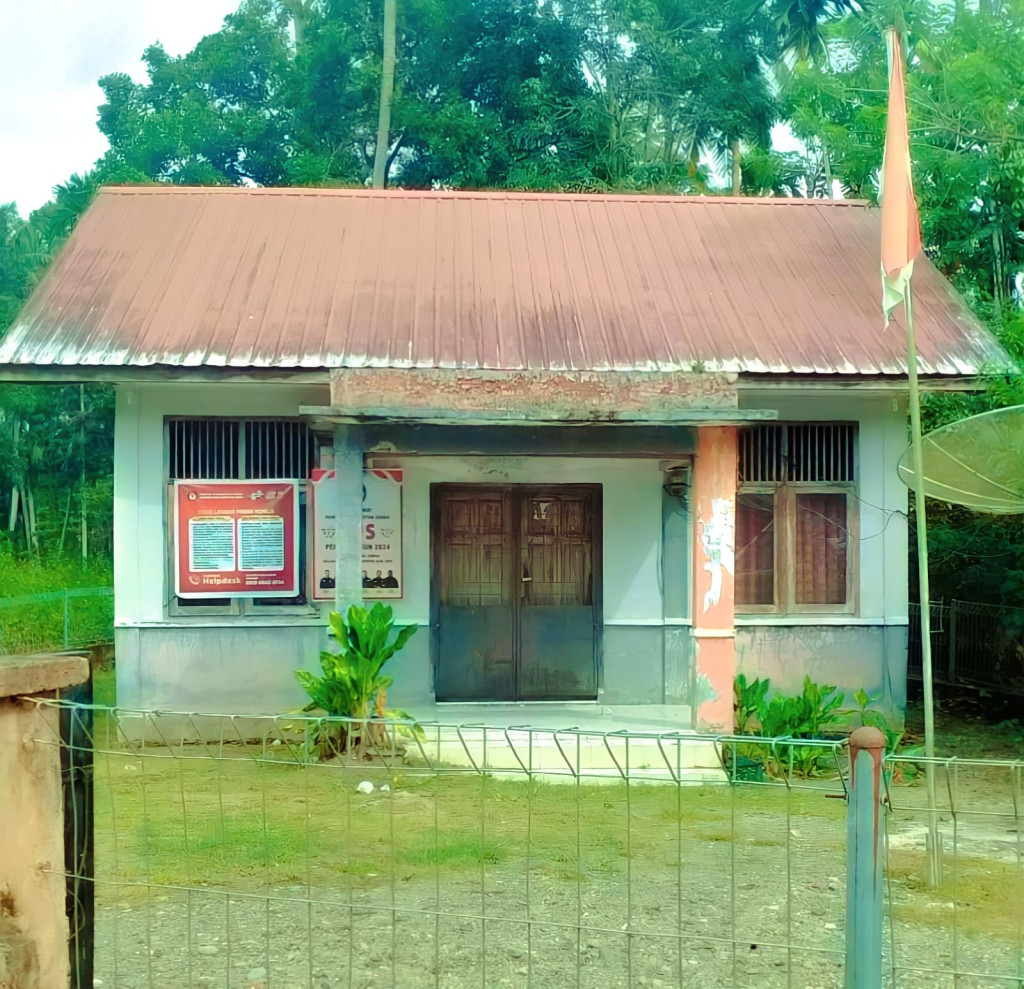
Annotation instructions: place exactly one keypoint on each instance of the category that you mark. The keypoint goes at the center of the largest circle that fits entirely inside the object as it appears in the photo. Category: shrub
(807, 715)
(354, 686)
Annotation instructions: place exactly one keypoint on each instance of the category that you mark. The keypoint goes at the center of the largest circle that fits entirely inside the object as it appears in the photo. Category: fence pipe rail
(864, 909)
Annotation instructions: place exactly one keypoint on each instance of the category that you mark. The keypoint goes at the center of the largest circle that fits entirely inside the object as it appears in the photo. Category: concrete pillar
(348, 535)
(675, 581)
(713, 499)
(33, 918)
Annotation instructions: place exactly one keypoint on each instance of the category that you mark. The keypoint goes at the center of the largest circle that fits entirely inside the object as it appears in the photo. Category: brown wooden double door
(516, 591)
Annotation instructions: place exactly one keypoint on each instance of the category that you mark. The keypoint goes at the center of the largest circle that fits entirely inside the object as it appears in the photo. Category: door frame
(509, 489)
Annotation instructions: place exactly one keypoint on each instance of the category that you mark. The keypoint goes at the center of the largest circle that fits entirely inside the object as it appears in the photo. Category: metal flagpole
(933, 872)
(901, 242)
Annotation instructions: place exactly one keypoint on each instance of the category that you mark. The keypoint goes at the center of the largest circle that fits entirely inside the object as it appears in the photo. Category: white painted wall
(140, 541)
(631, 495)
(882, 438)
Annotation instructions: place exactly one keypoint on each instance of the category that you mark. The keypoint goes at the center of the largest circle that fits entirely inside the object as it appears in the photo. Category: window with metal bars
(251, 449)
(242, 449)
(794, 515)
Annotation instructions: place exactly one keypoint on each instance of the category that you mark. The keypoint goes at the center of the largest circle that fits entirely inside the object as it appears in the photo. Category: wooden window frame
(773, 490)
(785, 493)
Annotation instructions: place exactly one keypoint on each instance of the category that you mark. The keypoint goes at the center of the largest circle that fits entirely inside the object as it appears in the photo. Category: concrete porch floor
(562, 741)
(551, 715)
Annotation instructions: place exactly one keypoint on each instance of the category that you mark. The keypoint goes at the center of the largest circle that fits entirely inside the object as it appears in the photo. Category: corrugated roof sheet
(317, 278)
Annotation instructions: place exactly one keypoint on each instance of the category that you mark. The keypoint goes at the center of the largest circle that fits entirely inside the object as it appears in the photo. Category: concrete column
(33, 921)
(713, 498)
(127, 498)
(348, 535)
(675, 581)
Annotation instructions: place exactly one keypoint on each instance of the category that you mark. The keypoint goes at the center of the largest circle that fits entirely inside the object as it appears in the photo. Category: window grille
(793, 514)
(216, 449)
(806, 452)
(203, 449)
(278, 448)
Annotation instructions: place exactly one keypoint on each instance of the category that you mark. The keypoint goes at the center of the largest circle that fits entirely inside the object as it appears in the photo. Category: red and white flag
(901, 224)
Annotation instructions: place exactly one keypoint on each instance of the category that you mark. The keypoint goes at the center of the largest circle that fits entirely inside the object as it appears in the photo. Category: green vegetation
(806, 716)
(354, 684)
(864, 716)
(674, 96)
(56, 481)
(42, 618)
(988, 893)
(233, 822)
(250, 825)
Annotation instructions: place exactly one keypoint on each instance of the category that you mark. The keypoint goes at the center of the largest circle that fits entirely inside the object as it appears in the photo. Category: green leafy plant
(807, 715)
(804, 715)
(864, 716)
(353, 686)
(748, 703)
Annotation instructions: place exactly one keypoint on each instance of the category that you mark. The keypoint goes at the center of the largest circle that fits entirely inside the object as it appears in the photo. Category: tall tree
(387, 88)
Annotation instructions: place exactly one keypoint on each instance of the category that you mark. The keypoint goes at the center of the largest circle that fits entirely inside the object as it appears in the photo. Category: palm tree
(798, 23)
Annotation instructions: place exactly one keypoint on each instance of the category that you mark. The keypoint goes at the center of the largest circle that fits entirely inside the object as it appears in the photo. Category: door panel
(556, 647)
(475, 654)
(476, 607)
(516, 592)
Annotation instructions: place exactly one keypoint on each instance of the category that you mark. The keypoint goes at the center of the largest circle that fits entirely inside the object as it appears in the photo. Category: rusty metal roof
(315, 278)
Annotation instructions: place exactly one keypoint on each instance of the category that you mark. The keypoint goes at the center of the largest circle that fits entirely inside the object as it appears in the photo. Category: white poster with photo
(323, 551)
(381, 535)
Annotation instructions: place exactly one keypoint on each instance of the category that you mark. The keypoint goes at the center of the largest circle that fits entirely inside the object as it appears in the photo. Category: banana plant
(353, 686)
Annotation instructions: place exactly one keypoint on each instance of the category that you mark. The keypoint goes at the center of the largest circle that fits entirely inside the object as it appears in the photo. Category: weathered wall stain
(703, 691)
(851, 657)
(19, 957)
(569, 395)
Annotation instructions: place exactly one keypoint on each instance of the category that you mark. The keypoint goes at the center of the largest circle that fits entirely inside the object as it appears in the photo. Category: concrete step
(570, 753)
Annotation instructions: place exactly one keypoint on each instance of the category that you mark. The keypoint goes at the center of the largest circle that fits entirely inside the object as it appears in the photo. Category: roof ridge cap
(468, 194)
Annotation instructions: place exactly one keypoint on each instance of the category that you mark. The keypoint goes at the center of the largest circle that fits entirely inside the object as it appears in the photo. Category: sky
(51, 54)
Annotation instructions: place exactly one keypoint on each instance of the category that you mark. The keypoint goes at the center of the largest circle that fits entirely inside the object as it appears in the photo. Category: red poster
(236, 539)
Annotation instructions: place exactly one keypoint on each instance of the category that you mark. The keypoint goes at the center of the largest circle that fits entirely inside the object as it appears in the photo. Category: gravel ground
(710, 886)
(297, 936)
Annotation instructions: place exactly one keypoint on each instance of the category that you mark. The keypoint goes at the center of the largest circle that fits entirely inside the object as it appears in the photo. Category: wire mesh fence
(974, 917)
(972, 643)
(225, 855)
(79, 617)
(497, 857)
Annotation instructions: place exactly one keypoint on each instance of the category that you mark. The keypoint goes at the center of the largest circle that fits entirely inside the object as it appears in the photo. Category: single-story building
(607, 450)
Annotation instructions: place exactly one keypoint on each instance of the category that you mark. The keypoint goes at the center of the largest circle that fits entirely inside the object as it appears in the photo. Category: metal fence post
(952, 641)
(864, 861)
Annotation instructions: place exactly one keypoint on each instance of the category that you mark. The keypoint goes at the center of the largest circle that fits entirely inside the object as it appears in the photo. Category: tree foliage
(677, 96)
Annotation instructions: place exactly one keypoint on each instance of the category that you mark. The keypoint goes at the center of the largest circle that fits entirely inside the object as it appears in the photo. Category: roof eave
(136, 374)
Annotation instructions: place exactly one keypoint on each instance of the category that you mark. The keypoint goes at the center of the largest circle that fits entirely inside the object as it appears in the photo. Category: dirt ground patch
(243, 872)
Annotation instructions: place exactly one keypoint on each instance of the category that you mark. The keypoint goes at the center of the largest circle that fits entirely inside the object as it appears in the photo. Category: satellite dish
(977, 462)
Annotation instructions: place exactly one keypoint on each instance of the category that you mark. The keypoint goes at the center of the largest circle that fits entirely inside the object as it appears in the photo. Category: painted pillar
(348, 533)
(33, 907)
(713, 500)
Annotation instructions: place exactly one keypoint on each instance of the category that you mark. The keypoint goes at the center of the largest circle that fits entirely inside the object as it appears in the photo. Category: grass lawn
(252, 820)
